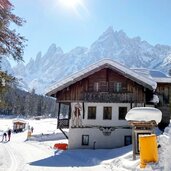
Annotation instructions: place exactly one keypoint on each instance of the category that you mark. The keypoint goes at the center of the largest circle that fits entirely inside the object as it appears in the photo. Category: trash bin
(148, 149)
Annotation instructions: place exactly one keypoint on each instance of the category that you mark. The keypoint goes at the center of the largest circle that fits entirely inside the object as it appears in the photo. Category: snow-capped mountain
(55, 64)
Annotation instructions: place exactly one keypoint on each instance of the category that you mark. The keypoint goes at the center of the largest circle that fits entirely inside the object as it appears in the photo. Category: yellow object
(148, 149)
(28, 134)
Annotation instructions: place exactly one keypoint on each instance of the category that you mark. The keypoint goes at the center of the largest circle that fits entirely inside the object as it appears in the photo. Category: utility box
(138, 133)
(148, 149)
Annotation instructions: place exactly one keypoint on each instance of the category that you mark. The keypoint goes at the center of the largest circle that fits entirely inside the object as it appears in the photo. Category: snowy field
(37, 154)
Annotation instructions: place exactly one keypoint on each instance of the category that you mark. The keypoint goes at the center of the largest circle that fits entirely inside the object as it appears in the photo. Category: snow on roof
(155, 75)
(105, 63)
(144, 114)
(162, 80)
(19, 120)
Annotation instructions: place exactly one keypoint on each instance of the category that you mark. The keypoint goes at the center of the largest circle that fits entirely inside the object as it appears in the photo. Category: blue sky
(50, 21)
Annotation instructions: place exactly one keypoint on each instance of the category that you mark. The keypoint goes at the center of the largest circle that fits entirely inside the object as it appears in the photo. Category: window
(91, 112)
(85, 139)
(64, 110)
(96, 86)
(122, 113)
(128, 140)
(107, 113)
(118, 87)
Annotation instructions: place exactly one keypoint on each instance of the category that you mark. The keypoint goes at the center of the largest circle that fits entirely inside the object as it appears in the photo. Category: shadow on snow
(80, 157)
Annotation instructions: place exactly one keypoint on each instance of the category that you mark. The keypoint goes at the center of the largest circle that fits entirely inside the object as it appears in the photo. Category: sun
(73, 4)
(77, 7)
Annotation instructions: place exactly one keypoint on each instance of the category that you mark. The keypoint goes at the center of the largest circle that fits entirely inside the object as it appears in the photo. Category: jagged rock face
(54, 65)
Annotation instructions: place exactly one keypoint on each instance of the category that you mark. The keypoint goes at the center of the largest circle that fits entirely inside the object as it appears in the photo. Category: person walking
(9, 134)
(32, 129)
(4, 136)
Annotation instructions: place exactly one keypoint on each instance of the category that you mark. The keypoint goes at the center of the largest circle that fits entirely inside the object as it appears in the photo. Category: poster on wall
(77, 113)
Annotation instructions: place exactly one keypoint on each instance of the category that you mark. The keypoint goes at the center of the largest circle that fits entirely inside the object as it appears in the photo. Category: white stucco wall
(116, 139)
(99, 114)
(99, 121)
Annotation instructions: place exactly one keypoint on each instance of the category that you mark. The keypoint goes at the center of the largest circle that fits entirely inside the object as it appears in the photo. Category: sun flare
(71, 3)
(76, 7)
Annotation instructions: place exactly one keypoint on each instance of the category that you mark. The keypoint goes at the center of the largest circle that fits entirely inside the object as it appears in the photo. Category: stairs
(63, 133)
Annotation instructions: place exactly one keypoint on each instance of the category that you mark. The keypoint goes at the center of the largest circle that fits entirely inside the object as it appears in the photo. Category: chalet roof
(19, 120)
(162, 80)
(105, 63)
(155, 75)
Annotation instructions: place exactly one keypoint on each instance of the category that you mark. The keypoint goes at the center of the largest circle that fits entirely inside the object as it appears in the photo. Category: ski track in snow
(13, 160)
(18, 155)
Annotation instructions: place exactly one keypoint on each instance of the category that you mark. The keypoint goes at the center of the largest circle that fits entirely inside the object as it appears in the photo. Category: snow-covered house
(93, 104)
(19, 125)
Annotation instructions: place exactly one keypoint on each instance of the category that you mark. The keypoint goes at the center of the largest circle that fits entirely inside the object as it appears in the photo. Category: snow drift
(144, 114)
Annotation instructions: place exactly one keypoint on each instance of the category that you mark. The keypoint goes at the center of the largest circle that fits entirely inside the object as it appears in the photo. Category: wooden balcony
(122, 97)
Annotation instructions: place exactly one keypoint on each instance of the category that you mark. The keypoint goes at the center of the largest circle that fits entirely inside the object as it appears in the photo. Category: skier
(9, 134)
(4, 136)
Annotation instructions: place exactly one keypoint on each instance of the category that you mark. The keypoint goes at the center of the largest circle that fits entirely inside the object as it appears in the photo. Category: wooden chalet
(19, 125)
(163, 91)
(100, 96)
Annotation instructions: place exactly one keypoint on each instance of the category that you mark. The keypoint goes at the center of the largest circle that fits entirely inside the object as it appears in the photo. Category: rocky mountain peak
(115, 45)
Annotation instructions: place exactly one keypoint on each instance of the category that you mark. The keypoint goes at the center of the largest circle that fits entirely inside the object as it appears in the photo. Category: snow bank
(144, 114)
(47, 137)
(165, 150)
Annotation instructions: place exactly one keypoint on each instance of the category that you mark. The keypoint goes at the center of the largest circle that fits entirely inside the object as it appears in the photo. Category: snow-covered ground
(38, 154)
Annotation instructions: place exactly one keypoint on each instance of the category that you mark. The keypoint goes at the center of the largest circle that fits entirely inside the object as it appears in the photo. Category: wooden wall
(106, 79)
(164, 92)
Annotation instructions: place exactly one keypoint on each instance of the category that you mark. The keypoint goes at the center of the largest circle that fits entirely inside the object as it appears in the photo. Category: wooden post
(153, 129)
(58, 115)
(133, 143)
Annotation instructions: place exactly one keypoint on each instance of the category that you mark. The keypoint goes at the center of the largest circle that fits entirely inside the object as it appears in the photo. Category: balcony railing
(110, 97)
(63, 123)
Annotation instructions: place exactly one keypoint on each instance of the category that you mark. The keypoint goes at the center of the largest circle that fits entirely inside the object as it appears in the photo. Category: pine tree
(5, 81)
(11, 43)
